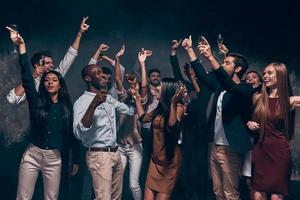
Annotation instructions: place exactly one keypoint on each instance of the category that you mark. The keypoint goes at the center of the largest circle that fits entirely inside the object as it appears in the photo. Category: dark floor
(9, 175)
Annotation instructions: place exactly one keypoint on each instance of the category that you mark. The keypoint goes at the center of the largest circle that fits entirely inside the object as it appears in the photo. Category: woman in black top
(51, 136)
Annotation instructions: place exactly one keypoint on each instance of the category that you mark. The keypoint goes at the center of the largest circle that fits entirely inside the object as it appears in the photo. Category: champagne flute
(186, 102)
(14, 48)
(220, 42)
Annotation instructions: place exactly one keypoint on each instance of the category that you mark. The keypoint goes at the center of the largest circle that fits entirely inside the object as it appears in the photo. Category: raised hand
(121, 52)
(204, 48)
(142, 56)
(103, 47)
(15, 36)
(148, 52)
(131, 79)
(187, 43)
(100, 57)
(223, 49)
(84, 26)
(135, 93)
(179, 95)
(175, 44)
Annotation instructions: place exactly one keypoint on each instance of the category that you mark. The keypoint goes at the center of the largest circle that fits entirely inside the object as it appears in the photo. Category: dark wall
(262, 31)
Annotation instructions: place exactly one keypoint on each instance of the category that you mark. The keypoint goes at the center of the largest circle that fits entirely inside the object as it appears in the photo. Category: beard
(155, 82)
(99, 86)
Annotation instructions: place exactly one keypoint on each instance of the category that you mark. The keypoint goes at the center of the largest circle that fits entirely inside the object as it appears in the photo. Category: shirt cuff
(12, 97)
(73, 51)
(82, 128)
(194, 61)
(92, 61)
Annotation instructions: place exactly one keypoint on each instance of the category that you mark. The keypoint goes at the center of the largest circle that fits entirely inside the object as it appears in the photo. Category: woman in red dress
(273, 118)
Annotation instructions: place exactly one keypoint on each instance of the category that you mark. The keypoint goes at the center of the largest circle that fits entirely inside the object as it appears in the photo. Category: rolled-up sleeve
(12, 98)
(67, 61)
(92, 62)
(78, 129)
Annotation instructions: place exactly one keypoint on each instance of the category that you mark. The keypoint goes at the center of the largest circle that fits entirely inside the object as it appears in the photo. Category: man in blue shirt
(95, 125)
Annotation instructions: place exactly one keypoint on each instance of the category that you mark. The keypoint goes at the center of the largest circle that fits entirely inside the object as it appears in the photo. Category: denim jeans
(134, 154)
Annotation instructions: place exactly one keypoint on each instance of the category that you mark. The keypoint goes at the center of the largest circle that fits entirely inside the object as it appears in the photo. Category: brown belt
(105, 149)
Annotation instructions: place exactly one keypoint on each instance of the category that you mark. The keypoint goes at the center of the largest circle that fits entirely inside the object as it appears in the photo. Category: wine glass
(14, 47)
(220, 42)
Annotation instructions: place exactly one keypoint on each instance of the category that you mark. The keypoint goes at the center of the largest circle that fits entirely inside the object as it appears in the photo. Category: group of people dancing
(164, 124)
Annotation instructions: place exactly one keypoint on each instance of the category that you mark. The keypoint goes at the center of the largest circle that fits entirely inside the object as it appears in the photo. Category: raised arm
(142, 56)
(98, 56)
(102, 48)
(205, 50)
(223, 48)
(176, 110)
(242, 89)
(26, 75)
(137, 63)
(192, 77)
(143, 116)
(118, 74)
(207, 79)
(174, 61)
(83, 28)
(17, 94)
(71, 54)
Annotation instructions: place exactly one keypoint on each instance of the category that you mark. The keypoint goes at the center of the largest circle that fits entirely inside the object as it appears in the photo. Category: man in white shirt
(42, 62)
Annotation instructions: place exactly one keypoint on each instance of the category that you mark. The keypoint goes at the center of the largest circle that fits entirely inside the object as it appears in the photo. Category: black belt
(104, 149)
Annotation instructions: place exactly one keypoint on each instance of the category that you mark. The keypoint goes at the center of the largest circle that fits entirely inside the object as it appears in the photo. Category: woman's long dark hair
(168, 89)
(43, 104)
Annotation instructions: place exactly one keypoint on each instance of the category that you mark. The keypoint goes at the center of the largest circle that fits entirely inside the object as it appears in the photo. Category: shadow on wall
(14, 122)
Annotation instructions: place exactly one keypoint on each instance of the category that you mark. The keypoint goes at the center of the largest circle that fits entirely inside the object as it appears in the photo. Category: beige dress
(162, 175)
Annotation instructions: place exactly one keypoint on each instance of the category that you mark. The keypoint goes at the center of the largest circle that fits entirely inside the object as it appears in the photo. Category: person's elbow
(80, 131)
(12, 99)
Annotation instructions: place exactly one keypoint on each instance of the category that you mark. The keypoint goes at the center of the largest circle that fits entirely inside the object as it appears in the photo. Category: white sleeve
(67, 61)
(92, 61)
(12, 98)
(122, 68)
(78, 129)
